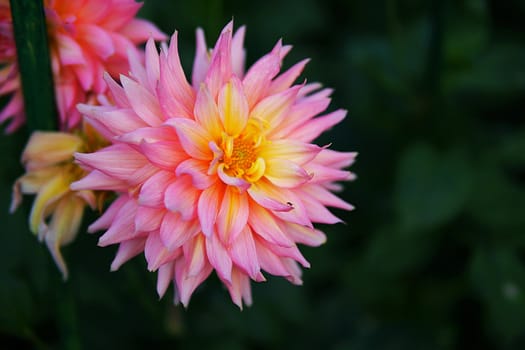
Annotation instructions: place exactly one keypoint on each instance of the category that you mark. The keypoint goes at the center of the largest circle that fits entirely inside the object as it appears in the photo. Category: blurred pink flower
(216, 175)
(86, 39)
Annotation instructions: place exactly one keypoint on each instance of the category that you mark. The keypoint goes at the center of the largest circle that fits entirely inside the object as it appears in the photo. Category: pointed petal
(182, 197)
(233, 107)
(233, 215)
(174, 231)
(243, 253)
(148, 219)
(47, 148)
(285, 174)
(265, 225)
(208, 208)
(198, 171)
(193, 138)
(127, 250)
(219, 258)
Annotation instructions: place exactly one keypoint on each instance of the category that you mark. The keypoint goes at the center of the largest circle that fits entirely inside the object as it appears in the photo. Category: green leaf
(34, 63)
(431, 188)
(499, 278)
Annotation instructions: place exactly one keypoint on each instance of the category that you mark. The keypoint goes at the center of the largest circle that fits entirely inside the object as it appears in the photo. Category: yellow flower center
(239, 155)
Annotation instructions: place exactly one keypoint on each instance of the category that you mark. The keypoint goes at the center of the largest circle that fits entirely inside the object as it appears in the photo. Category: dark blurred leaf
(431, 188)
(497, 203)
(500, 70)
(467, 32)
(499, 277)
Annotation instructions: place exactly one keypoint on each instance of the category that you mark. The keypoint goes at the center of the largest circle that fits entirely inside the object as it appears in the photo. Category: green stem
(34, 62)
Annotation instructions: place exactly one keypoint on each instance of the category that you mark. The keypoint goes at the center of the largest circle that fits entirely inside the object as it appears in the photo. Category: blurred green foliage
(433, 256)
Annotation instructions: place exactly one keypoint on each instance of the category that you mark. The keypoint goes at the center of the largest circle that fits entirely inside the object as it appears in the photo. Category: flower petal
(182, 197)
(233, 107)
(208, 208)
(233, 215)
(193, 138)
(219, 258)
(243, 253)
(47, 148)
(286, 174)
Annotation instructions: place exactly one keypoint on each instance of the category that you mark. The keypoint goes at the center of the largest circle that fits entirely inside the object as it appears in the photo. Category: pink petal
(175, 94)
(238, 52)
(143, 102)
(98, 181)
(220, 68)
(285, 174)
(123, 226)
(174, 231)
(164, 277)
(70, 52)
(286, 79)
(315, 127)
(187, 284)
(219, 258)
(207, 209)
(148, 219)
(109, 121)
(139, 30)
(273, 109)
(259, 76)
(267, 196)
(265, 225)
(109, 214)
(201, 61)
(182, 197)
(243, 253)
(240, 288)
(193, 138)
(195, 254)
(302, 234)
(152, 191)
(127, 250)
(197, 170)
(119, 160)
(164, 154)
(156, 253)
(97, 38)
(233, 215)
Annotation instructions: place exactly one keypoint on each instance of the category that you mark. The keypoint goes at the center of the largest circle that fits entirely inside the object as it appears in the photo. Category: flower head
(86, 39)
(219, 174)
(57, 211)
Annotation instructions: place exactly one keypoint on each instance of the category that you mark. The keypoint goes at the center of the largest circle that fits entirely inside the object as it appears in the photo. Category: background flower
(86, 39)
(218, 175)
(57, 211)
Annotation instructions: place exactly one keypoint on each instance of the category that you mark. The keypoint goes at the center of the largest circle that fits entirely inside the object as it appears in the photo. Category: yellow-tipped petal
(63, 228)
(46, 197)
(48, 148)
(233, 107)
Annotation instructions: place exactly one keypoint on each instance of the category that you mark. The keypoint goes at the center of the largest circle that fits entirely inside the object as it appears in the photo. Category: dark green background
(433, 256)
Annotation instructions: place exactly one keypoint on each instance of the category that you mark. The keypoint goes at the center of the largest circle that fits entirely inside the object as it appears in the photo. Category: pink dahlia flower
(86, 39)
(217, 175)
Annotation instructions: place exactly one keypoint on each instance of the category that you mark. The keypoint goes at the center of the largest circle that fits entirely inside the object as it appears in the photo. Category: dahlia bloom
(57, 211)
(217, 175)
(86, 39)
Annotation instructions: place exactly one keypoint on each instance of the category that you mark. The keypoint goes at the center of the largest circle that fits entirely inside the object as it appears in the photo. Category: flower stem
(34, 62)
